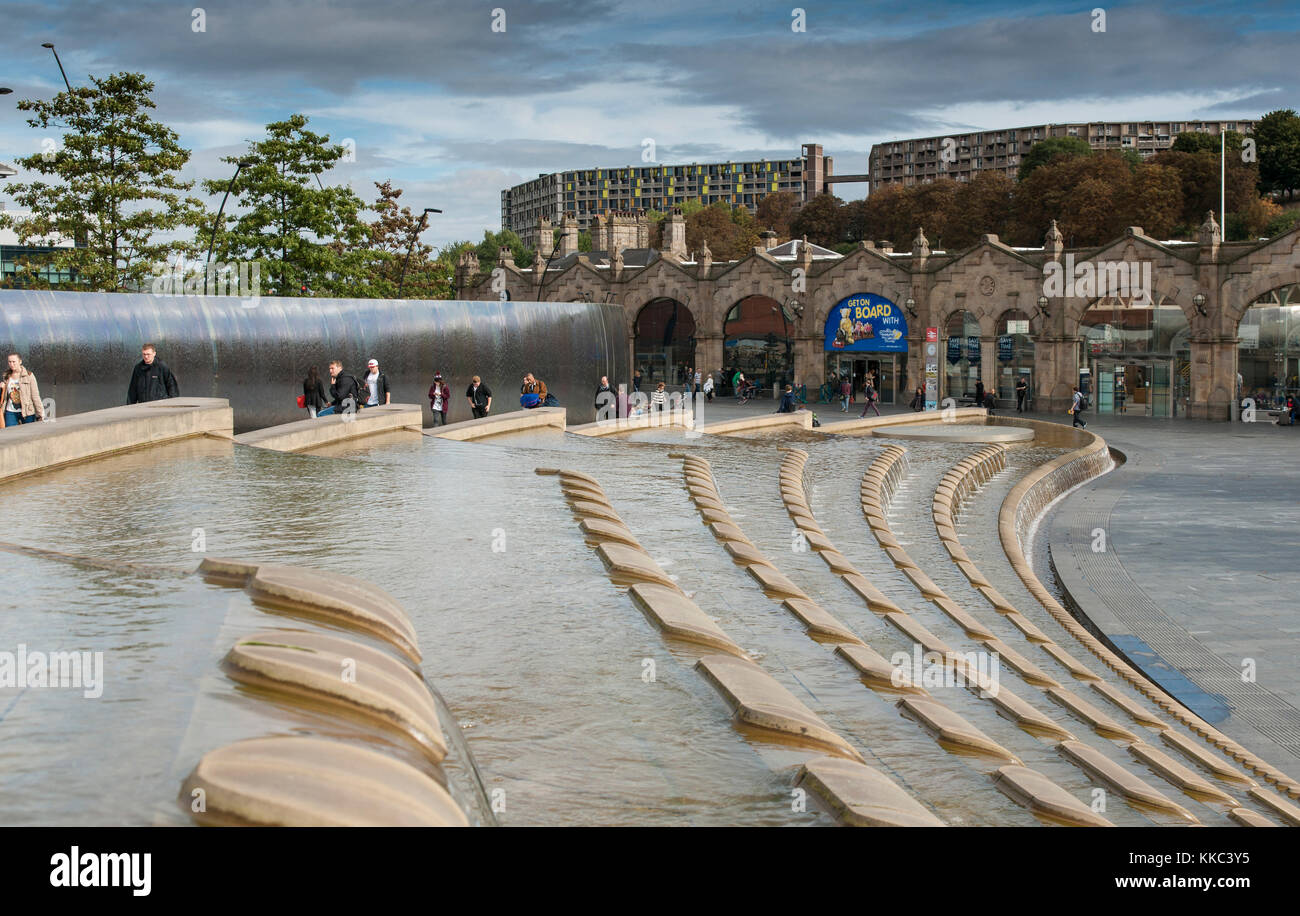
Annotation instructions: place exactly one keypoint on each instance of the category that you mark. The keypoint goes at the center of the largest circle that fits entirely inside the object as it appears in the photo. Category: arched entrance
(963, 359)
(665, 342)
(1015, 356)
(1138, 356)
(757, 342)
(1268, 347)
(865, 338)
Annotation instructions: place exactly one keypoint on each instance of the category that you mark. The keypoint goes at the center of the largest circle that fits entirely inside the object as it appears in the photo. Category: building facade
(1168, 341)
(587, 193)
(922, 159)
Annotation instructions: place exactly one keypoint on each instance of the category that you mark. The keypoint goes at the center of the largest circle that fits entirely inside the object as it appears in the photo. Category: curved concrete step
(860, 796)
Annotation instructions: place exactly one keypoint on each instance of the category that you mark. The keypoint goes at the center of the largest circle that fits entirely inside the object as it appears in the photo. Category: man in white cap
(374, 386)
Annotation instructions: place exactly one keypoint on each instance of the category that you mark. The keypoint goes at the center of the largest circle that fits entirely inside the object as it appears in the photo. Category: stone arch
(663, 331)
(1262, 287)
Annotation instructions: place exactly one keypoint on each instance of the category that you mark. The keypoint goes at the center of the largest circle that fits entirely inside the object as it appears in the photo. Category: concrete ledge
(821, 624)
(680, 617)
(311, 667)
(951, 730)
(954, 432)
(867, 424)
(304, 435)
(311, 782)
(1176, 774)
(1022, 713)
(1045, 798)
(494, 424)
(627, 565)
(761, 703)
(1284, 809)
(1204, 757)
(1103, 724)
(1134, 710)
(860, 796)
(800, 418)
(1247, 818)
(665, 419)
(1095, 763)
(40, 446)
(876, 671)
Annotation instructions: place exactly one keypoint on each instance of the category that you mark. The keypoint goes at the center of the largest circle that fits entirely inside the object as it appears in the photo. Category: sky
(456, 101)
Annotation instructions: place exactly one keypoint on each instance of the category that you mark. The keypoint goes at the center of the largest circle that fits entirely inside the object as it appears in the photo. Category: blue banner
(866, 322)
(1006, 347)
(954, 349)
(973, 350)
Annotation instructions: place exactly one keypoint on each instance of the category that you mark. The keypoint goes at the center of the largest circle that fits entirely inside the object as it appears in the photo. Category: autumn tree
(821, 220)
(1045, 151)
(775, 212)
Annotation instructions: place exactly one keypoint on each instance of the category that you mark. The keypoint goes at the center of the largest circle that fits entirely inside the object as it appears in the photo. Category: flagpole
(1223, 163)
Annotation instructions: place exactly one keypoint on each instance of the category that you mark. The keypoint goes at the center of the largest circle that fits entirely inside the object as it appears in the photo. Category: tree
(1088, 196)
(713, 226)
(489, 250)
(1195, 141)
(822, 220)
(982, 205)
(775, 211)
(393, 234)
(887, 215)
(304, 236)
(1044, 151)
(115, 184)
(1278, 137)
(1157, 200)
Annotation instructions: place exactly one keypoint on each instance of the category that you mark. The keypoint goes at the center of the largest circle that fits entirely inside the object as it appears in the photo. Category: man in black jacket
(151, 380)
(344, 392)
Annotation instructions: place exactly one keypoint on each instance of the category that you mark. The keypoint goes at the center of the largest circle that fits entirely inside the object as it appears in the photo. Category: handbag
(302, 400)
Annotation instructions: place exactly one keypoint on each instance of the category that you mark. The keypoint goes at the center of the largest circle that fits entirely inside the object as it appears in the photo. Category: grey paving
(1200, 575)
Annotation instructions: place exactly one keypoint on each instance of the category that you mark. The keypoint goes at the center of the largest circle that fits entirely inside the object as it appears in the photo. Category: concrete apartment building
(921, 160)
(588, 193)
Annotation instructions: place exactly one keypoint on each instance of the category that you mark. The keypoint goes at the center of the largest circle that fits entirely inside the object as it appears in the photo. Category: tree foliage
(1044, 151)
(1278, 137)
(113, 185)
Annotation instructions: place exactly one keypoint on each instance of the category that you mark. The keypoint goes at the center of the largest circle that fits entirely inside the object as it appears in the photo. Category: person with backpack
(313, 393)
(1078, 404)
(439, 399)
(787, 401)
(345, 393)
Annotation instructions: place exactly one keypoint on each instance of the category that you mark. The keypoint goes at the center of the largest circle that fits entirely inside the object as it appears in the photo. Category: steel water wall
(83, 347)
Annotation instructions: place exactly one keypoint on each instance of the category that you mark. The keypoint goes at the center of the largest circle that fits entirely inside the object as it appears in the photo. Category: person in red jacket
(439, 399)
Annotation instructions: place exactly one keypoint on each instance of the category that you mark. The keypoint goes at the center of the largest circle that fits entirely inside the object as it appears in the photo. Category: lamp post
(414, 235)
(1199, 301)
(910, 305)
(50, 45)
(216, 225)
(1042, 307)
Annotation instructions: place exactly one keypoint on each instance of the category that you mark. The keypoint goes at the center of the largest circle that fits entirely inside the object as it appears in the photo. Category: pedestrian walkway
(1198, 576)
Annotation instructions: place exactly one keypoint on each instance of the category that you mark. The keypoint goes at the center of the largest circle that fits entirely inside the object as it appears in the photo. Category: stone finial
(920, 244)
(539, 262)
(705, 261)
(706, 254)
(568, 235)
(769, 239)
(616, 263)
(805, 254)
(1053, 242)
(505, 257)
(545, 237)
(1209, 236)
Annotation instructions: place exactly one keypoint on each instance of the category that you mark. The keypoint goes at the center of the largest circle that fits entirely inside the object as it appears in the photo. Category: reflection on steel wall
(83, 346)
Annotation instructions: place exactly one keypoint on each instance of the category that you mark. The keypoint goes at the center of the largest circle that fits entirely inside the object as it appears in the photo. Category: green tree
(303, 235)
(114, 187)
(1193, 141)
(1044, 151)
(1278, 137)
(489, 250)
(822, 220)
(982, 205)
(393, 234)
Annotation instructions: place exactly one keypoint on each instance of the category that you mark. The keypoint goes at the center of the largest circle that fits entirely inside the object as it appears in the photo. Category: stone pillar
(708, 355)
(568, 235)
(989, 364)
(1055, 372)
(809, 363)
(1214, 378)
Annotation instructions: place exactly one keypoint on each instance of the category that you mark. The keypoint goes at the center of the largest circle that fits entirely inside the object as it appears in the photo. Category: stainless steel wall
(83, 346)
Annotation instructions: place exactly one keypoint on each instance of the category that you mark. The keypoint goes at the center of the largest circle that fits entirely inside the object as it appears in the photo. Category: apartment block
(922, 160)
(588, 193)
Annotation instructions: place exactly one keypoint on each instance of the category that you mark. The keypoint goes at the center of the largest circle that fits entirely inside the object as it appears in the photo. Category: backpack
(550, 401)
(1083, 402)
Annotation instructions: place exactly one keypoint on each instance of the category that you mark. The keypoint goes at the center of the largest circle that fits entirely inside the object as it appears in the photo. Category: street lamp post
(50, 45)
(414, 235)
(241, 164)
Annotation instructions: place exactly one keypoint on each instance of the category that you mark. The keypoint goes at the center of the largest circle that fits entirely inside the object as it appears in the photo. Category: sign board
(1018, 326)
(973, 350)
(866, 323)
(1248, 337)
(931, 368)
(954, 349)
(1006, 347)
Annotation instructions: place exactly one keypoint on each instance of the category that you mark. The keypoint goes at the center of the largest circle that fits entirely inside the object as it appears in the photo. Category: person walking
(151, 380)
(708, 388)
(479, 397)
(313, 392)
(636, 380)
(846, 390)
(979, 393)
(439, 399)
(345, 393)
(22, 396)
(699, 380)
(869, 397)
(1022, 389)
(658, 398)
(1078, 404)
(375, 386)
